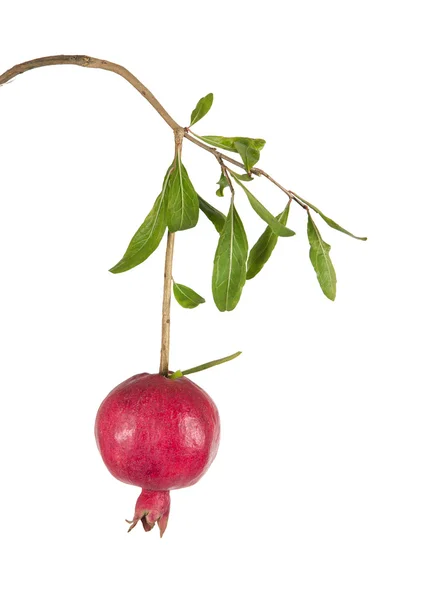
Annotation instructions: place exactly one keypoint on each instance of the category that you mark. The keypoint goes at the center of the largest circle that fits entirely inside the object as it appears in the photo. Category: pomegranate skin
(157, 433)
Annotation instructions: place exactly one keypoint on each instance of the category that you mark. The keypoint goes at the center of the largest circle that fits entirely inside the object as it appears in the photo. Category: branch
(168, 277)
(215, 152)
(97, 63)
(91, 63)
(166, 306)
(220, 157)
(225, 171)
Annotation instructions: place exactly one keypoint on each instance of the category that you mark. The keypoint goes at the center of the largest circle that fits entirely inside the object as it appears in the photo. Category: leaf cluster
(177, 208)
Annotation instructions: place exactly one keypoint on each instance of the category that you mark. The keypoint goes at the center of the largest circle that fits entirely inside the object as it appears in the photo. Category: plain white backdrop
(329, 479)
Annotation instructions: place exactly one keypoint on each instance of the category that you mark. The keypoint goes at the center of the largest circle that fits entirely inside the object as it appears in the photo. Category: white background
(329, 478)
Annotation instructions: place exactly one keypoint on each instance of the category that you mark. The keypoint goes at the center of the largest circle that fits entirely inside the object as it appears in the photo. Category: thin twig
(97, 63)
(225, 171)
(166, 306)
(91, 63)
(168, 276)
(215, 152)
(290, 194)
(299, 200)
(255, 171)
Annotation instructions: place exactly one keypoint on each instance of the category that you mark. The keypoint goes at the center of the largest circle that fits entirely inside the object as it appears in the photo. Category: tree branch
(97, 63)
(91, 63)
(221, 158)
(216, 153)
(166, 306)
(168, 277)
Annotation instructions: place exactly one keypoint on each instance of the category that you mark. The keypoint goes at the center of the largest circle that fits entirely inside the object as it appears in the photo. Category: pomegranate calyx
(145, 520)
(151, 508)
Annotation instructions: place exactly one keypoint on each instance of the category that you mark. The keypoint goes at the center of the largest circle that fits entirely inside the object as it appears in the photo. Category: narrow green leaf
(186, 297)
(248, 152)
(261, 251)
(277, 227)
(182, 200)
(244, 177)
(332, 223)
(222, 183)
(208, 365)
(215, 216)
(321, 261)
(149, 235)
(202, 107)
(228, 143)
(229, 271)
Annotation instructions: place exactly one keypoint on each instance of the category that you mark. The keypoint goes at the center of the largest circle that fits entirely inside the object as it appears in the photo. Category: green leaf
(186, 297)
(220, 142)
(248, 152)
(244, 176)
(208, 365)
(229, 271)
(261, 251)
(321, 261)
(148, 236)
(332, 223)
(222, 183)
(277, 227)
(228, 143)
(215, 216)
(183, 203)
(202, 107)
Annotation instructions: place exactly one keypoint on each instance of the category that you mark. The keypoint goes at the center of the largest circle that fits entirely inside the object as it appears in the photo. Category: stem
(91, 63)
(225, 171)
(168, 275)
(166, 306)
(299, 200)
(97, 63)
(215, 152)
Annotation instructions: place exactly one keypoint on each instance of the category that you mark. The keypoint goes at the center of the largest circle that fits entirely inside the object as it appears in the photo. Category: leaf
(321, 261)
(183, 203)
(332, 223)
(249, 154)
(277, 227)
(222, 183)
(148, 236)
(219, 141)
(229, 271)
(208, 365)
(228, 143)
(202, 107)
(186, 297)
(244, 176)
(215, 216)
(261, 251)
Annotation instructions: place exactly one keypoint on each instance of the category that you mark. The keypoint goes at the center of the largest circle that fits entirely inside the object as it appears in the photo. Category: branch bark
(166, 306)
(91, 63)
(97, 63)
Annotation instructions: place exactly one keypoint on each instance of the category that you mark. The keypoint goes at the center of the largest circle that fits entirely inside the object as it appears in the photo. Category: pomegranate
(158, 434)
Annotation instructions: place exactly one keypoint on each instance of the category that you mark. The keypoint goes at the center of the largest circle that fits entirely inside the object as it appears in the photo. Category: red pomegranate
(159, 434)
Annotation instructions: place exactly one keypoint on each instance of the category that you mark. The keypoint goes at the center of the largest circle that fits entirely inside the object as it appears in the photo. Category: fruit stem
(166, 306)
